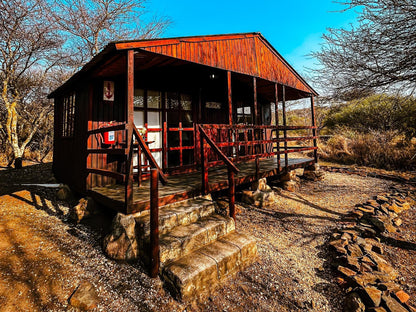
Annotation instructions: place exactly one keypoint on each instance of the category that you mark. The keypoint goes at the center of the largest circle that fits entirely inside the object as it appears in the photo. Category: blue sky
(294, 27)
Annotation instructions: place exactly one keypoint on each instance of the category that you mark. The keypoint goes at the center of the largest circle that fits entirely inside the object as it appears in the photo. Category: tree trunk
(18, 163)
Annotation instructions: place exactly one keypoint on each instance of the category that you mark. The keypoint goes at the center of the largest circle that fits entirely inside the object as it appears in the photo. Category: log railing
(251, 142)
(102, 149)
(119, 148)
(155, 176)
(232, 169)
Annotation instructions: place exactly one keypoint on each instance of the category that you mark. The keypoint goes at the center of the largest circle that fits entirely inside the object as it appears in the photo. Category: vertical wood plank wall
(99, 114)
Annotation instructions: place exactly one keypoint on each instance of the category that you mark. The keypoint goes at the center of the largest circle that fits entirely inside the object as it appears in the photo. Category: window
(244, 115)
(68, 115)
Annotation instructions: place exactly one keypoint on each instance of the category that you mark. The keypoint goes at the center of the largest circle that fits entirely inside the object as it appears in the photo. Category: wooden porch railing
(156, 175)
(251, 142)
(232, 169)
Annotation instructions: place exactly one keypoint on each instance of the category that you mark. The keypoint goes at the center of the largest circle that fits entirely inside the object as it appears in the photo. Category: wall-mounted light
(213, 76)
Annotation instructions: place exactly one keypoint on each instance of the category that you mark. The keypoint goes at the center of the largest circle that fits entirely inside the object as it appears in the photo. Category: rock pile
(313, 173)
(85, 208)
(262, 196)
(121, 243)
(367, 276)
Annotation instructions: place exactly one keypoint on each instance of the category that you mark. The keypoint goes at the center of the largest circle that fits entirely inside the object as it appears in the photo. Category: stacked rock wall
(370, 280)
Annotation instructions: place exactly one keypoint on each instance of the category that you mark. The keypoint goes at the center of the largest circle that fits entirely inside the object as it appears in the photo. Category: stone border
(367, 277)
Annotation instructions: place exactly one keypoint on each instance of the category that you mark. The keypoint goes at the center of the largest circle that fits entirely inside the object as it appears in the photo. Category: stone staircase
(198, 247)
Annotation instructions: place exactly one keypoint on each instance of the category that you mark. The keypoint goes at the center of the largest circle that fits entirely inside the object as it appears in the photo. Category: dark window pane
(173, 100)
(188, 157)
(153, 99)
(173, 138)
(173, 159)
(186, 102)
(187, 138)
(187, 120)
(173, 119)
(138, 98)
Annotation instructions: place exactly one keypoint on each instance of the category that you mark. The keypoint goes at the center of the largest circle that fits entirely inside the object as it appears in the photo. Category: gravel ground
(43, 258)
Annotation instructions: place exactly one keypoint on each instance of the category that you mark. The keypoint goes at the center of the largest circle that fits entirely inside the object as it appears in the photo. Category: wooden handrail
(231, 168)
(217, 150)
(256, 127)
(107, 128)
(148, 155)
(107, 173)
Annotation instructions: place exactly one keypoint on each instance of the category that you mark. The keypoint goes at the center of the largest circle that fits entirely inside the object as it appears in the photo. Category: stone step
(203, 269)
(184, 239)
(179, 213)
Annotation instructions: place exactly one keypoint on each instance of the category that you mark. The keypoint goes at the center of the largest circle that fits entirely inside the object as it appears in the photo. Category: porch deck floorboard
(182, 186)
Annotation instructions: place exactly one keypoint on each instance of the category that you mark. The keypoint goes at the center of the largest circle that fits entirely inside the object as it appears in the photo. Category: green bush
(376, 113)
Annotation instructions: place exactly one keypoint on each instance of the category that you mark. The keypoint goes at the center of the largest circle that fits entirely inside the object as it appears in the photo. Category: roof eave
(109, 48)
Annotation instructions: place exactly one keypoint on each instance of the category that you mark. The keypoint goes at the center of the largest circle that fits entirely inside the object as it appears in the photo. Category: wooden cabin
(198, 110)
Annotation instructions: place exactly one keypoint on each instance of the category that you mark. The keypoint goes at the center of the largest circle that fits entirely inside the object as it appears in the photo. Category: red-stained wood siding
(248, 54)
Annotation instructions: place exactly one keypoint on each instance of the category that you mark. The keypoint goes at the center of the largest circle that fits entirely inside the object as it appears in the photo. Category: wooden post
(230, 112)
(230, 99)
(204, 169)
(255, 101)
(284, 125)
(255, 119)
(129, 131)
(154, 223)
(315, 152)
(139, 166)
(231, 193)
(276, 114)
(257, 168)
(165, 146)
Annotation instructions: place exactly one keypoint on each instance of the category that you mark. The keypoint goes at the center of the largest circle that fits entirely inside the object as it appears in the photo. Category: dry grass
(386, 150)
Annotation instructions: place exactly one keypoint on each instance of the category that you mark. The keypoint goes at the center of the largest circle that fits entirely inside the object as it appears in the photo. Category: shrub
(381, 149)
(380, 112)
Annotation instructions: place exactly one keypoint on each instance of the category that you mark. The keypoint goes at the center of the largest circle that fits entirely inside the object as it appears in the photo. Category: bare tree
(29, 48)
(89, 25)
(377, 53)
(41, 43)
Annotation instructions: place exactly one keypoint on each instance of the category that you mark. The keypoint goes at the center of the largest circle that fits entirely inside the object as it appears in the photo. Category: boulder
(313, 175)
(84, 297)
(121, 243)
(355, 251)
(353, 303)
(85, 208)
(64, 193)
(259, 198)
(289, 176)
(397, 221)
(371, 296)
(291, 186)
(392, 304)
(402, 296)
(261, 185)
(347, 272)
(247, 197)
(313, 167)
(365, 278)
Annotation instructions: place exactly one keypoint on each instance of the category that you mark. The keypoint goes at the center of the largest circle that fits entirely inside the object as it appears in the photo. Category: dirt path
(43, 257)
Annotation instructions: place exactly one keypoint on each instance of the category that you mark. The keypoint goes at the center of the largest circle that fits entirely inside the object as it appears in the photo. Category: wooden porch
(189, 185)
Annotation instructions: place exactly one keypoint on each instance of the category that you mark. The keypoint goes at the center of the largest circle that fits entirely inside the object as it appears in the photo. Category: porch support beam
(230, 99)
(284, 125)
(315, 152)
(276, 117)
(255, 119)
(129, 130)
